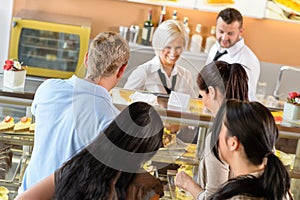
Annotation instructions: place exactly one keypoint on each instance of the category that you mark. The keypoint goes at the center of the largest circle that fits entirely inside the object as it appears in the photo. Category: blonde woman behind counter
(162, 74)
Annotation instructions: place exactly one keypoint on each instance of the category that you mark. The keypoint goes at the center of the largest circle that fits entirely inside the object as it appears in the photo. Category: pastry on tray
(32, 127)
(7, 123)
(23, 124)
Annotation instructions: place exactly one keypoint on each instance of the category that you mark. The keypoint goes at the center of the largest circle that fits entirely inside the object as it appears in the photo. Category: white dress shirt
(145, 77)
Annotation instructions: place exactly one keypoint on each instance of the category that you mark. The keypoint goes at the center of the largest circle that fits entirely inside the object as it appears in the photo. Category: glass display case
(40, 47)
(190, 154)
(51, 45)
(20, 144)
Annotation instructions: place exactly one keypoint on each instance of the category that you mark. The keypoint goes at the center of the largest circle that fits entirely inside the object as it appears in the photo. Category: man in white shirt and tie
(230, 46)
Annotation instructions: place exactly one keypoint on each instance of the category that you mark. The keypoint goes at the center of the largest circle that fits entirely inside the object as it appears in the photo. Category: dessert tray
(24, 126)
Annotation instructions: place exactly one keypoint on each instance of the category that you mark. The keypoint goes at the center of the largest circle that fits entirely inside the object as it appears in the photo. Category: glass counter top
(31, 85)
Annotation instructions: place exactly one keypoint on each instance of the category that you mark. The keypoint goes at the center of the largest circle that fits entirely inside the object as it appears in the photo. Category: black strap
(163, 80)
(218, 55)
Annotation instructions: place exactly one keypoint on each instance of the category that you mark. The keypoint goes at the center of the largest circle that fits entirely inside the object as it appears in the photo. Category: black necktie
(218, 55)
(163, 80)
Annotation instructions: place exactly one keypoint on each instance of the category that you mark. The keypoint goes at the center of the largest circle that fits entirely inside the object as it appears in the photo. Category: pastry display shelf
(41, 46)
(21, 138)
(13, 177)
(51, 57)
(17, 103)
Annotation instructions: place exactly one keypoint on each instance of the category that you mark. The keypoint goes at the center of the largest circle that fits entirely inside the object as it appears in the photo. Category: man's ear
(241, 31)
(121, 71)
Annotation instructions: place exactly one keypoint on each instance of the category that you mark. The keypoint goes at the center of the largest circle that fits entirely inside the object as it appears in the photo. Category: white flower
(17, 65)
(297, 100)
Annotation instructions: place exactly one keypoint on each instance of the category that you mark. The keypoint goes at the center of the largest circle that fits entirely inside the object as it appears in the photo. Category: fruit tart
(32, 127)
(23, 124)
(7, 123)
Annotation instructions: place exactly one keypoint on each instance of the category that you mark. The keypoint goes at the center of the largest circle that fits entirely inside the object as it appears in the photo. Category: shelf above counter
(254, 8)
(189, 4)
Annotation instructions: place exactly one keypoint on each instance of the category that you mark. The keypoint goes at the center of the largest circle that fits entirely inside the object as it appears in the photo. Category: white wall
(5, 25)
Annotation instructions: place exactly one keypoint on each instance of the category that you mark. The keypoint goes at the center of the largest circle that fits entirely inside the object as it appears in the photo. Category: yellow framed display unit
(51, 45)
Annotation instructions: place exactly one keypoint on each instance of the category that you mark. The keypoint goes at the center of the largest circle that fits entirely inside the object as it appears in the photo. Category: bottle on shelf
(187, 29)
(133, 34)
(210, 40)
(174, 16)
(196, 40)
(162, 15)
(123, 31)
(148, 30)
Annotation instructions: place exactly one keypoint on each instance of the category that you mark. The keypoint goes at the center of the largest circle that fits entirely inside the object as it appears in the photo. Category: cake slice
(7, 123)
(23, 124)
(32, 127)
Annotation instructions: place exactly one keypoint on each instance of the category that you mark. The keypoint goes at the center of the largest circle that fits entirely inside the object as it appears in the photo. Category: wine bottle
(196, 41)
(148, 30)
(174, 16)
(210, 40)
(162, 15)
(187, 29)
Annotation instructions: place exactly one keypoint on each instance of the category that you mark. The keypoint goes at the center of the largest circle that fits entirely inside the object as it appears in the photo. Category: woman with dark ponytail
(217, 82)
(244, 135)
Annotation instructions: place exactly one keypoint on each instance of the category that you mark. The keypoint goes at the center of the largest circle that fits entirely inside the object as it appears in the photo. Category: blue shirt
(69, 115)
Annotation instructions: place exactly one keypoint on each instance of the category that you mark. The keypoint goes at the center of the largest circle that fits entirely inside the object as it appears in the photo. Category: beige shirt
(212, 172)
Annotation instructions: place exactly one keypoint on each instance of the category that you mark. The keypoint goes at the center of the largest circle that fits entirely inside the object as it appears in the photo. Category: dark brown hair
(230, 15)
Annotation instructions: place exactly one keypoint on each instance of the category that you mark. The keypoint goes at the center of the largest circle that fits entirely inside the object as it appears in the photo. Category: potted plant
(14, 74)
(291, 110)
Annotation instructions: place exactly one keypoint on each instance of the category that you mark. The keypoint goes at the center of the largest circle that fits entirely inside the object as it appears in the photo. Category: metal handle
(282, 69)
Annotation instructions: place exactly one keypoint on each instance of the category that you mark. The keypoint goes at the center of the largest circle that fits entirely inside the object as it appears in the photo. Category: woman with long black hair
(244, 135)
(110, 167)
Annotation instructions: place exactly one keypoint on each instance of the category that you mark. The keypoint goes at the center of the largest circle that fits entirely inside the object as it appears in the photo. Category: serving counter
(194, 116)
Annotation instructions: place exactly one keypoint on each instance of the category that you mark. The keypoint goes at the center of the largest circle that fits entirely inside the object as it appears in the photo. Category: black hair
(90, 174)
(255, 128)
(230, 79)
